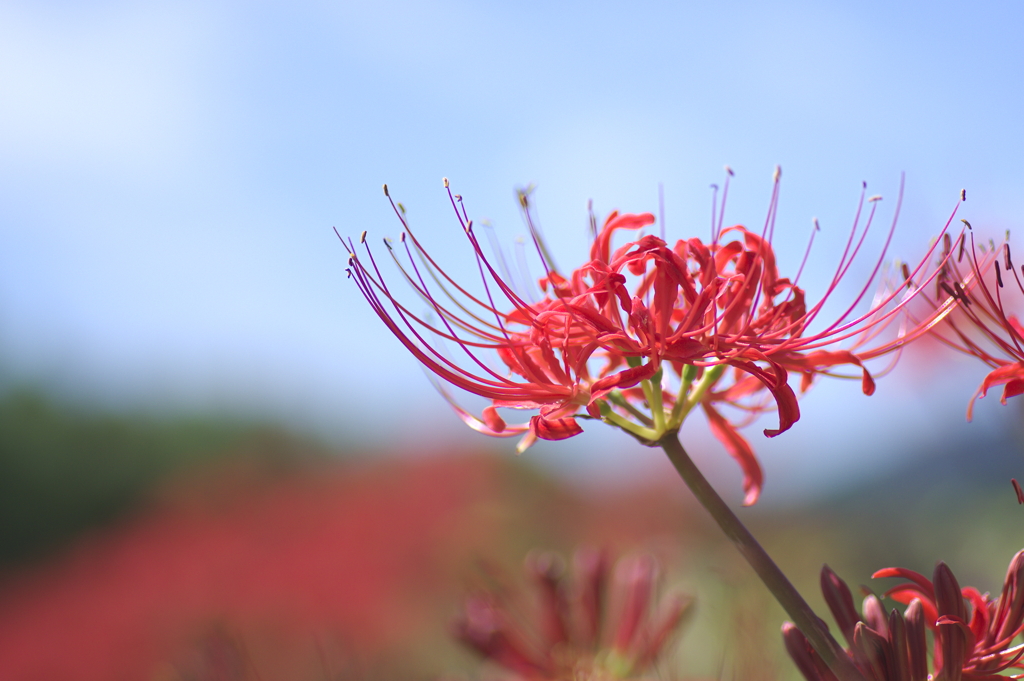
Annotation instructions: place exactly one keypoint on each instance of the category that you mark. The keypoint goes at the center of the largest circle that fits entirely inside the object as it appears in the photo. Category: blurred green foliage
(63, 470)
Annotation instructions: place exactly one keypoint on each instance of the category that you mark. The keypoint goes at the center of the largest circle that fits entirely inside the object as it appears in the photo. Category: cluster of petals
(588, 623)
(643, 333)
(972, 634)
(981, 325)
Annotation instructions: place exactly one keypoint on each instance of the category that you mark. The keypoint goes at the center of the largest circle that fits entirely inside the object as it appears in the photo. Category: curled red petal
(775, 380)
(626, 378)
(814, 362)
(980, 614)
(923, 584)
(909, 594)
(1009, 375)
(602, 245)
(482, 425)
(1012, 389)
(554, 429)
(493, 420)
(739, 449)
(920, 588)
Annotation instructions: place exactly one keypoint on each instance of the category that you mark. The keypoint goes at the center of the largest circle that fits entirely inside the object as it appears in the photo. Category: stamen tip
(962, 295)
(362, 237)
(876, 197)
(402, 238)
(817, 227)
(777, 174)
(966, 223)
(729, 171)
(386, 190)
(963, 194)
(863, 184)
(445, 180)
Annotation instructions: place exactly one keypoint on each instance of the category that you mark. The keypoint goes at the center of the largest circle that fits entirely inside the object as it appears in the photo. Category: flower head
(972, 633)
(584, 624)
(981, 325)
(640, 335)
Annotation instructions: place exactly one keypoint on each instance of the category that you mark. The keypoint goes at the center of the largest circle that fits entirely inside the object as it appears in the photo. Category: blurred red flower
(981, 324)
(580, 626)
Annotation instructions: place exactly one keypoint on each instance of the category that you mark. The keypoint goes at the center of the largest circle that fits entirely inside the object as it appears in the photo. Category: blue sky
(169, 177)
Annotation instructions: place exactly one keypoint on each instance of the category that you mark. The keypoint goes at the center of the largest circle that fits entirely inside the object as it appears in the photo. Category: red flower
(641, 334)
(581, 626)
(972, 634)
(972, 630)
(981, 325)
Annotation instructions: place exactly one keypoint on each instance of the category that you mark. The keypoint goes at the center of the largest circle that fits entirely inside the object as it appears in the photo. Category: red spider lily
(972, 633)
(582, 627)
(641, 334)
(981, 642)
(982, 326)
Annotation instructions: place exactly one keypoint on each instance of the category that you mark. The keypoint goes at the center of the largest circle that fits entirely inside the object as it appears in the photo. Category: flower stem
(780, 586)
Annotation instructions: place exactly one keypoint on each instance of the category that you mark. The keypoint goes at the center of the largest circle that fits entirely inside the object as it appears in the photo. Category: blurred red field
(296, 575)
(353, 551)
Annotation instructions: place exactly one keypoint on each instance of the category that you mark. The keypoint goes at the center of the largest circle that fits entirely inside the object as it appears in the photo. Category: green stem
(645, 434)
(618, 400)
(653, 390)
(780, 586)
(687, 400)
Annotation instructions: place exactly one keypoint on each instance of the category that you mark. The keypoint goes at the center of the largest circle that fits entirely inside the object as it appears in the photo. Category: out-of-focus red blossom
(972, 633)
(641, 334)
(580, 626)
(982, 325)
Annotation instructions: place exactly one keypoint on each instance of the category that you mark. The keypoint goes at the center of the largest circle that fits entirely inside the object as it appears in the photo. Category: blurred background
(206, 434)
